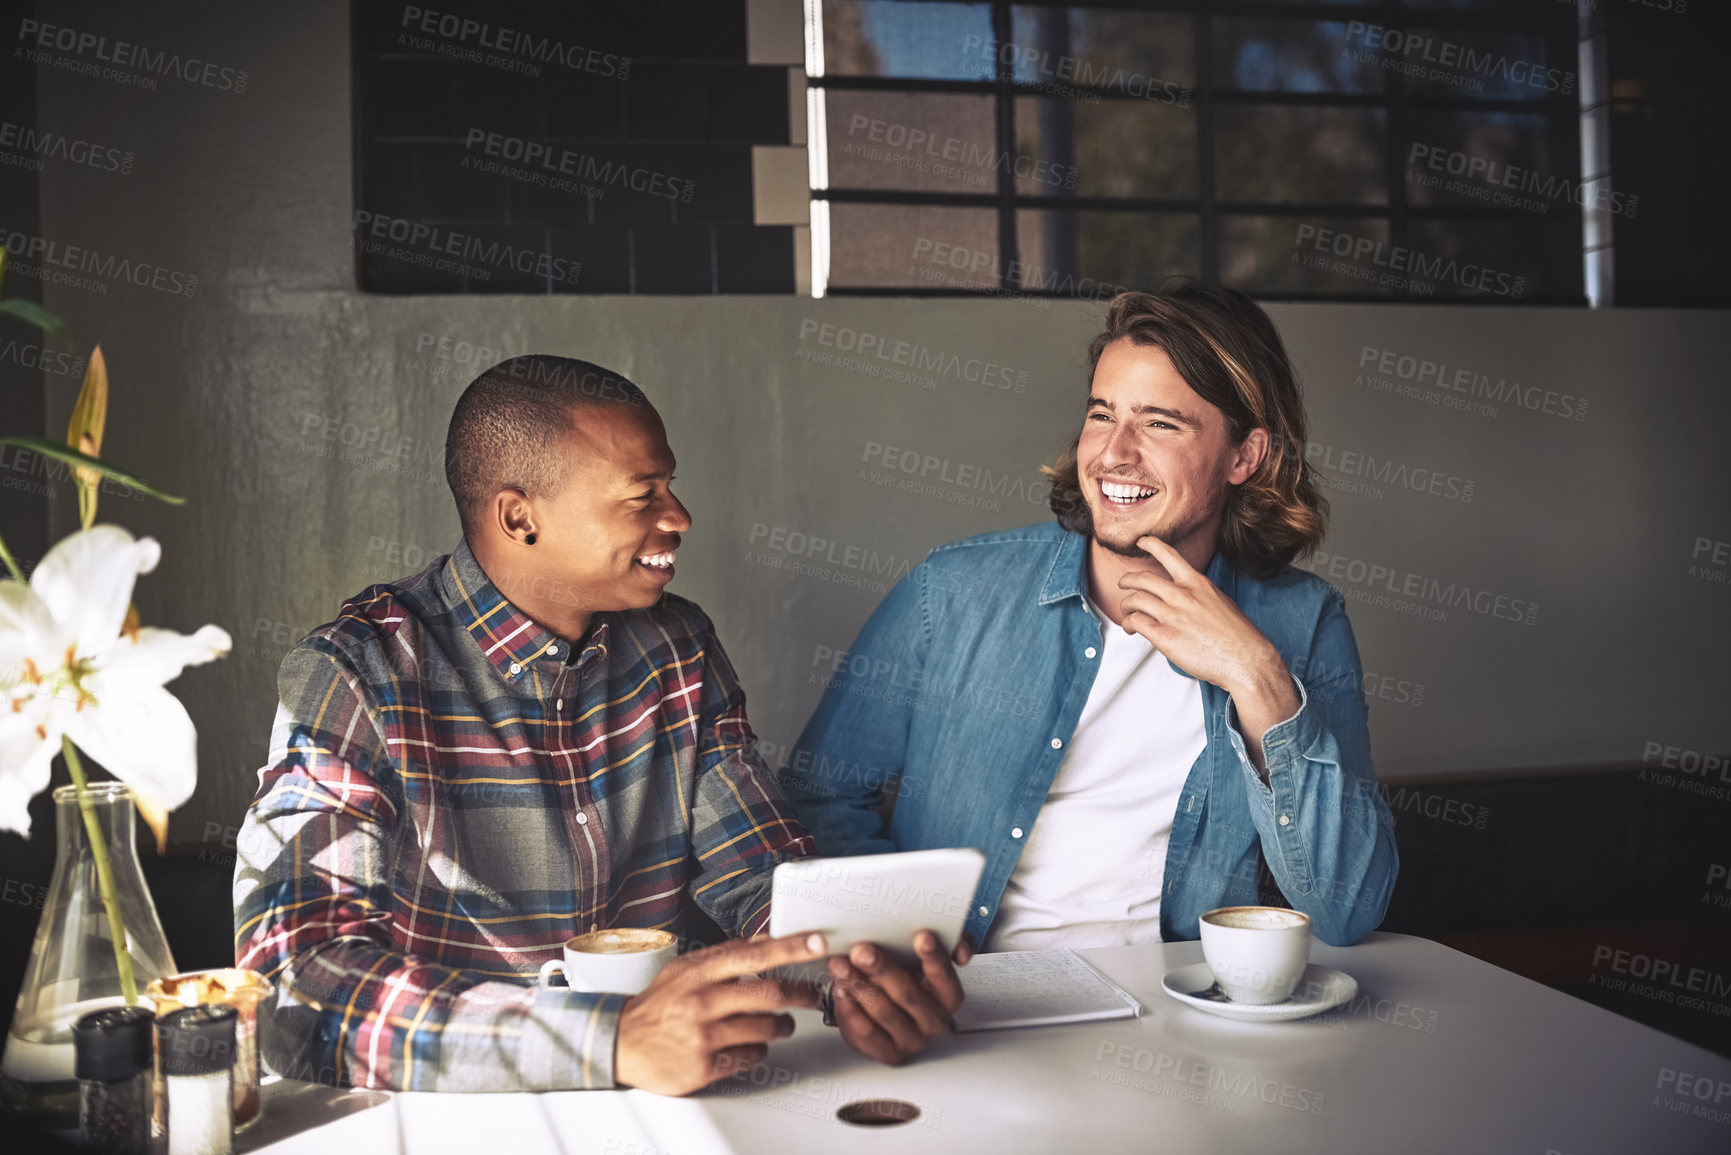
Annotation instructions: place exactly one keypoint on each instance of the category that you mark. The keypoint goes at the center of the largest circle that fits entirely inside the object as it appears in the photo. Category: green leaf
(36, 315)
(11, 563)
(79, 460)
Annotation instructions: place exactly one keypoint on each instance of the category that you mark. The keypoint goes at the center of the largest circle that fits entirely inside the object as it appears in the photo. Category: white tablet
(879, 898)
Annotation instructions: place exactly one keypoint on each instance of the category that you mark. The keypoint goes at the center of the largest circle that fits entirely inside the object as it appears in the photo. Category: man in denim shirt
(1129, 710)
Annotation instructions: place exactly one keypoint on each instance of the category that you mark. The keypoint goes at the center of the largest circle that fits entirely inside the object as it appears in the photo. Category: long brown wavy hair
(1227, 350)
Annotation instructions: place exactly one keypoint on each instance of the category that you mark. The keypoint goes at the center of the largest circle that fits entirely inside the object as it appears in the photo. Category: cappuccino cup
(1257, 953)
(612, 961)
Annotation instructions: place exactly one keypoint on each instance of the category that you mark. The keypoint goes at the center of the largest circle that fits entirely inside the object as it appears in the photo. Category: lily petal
(86, 581)
(155, 816)
(27, 630)
(26, 759)
(141, 734)
(160, 655)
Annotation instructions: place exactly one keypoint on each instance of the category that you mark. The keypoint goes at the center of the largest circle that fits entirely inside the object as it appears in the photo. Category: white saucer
(1321, 989)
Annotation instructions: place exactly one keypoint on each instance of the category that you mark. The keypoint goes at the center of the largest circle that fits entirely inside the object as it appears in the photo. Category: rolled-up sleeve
(1326, 832)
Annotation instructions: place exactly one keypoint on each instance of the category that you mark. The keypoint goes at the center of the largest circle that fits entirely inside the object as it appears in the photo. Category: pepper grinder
(112, 1057)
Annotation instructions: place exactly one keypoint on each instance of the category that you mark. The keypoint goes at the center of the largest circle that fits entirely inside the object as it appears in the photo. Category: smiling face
(612, 530)
(1154, 457)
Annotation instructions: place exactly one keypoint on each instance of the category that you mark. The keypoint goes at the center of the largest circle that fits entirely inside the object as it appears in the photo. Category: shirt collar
(510, 638)
(1068, 577)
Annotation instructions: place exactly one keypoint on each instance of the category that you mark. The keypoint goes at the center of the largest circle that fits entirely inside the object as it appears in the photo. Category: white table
(1439, 1052)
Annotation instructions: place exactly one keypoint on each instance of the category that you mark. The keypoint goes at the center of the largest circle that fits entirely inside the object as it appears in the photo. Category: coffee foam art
(1258, 919)
(631, 941)
(623, 961)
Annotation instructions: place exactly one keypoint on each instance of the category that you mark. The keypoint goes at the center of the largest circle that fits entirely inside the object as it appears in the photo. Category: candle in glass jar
(240, 989)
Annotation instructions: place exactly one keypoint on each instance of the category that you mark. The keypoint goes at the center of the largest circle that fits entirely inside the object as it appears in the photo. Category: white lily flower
(69, 665)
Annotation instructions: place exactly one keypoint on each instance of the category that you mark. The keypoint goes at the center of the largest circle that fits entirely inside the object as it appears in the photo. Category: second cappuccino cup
(612, 961)
(1257, 953)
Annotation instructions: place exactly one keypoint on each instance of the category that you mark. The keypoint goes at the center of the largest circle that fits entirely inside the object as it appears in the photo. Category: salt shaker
(112, 1055)
(195, 1047)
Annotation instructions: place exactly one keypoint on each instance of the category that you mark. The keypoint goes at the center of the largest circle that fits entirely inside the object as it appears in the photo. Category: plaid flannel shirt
(451, 794)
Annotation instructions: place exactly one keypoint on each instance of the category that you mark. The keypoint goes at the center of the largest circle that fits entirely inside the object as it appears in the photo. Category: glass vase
(72, 968)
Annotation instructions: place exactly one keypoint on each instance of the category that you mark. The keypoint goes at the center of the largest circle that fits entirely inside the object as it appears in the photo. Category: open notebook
(1037, 988)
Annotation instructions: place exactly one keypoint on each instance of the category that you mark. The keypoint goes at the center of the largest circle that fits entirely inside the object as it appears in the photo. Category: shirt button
(984, 912)
(559, 705)
(1285, 821)
(515, 668)
(582, 819)
(1057, 743)
(1089, 652)
(1016, 833)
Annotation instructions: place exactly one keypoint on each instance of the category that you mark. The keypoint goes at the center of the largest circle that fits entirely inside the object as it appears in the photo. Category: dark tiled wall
(512, 147)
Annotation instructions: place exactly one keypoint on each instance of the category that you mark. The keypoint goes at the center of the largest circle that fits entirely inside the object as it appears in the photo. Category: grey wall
(244, 397)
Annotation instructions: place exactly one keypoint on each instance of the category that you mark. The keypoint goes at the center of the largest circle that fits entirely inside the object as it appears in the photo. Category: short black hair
(509, 420)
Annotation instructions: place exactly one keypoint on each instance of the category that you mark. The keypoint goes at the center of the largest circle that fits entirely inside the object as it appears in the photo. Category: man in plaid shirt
(526, 741)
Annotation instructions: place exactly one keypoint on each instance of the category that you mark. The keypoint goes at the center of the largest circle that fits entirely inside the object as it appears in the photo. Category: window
(1344, 151)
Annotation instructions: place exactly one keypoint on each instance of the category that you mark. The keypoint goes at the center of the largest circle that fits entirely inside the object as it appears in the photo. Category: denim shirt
(956, 704)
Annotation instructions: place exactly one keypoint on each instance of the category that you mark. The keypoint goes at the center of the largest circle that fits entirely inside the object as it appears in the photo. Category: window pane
(1149, 56)
(1500, 260)
(1499, 160)
(1307, 255)
(1461, 62)
(920, 141)
(896, 38)
(912, 246)
(1096, 254)
(1113, 148)
(1301, 154)
(1290, 56)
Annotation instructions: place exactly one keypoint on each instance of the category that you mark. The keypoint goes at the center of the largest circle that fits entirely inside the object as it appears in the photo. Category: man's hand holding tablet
(887, 917)
(888, 1012)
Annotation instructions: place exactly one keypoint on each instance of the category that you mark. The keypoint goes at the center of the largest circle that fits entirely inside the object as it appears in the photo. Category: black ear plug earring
(528, 539)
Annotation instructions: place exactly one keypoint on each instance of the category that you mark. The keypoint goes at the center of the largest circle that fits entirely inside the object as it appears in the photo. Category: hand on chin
(1122, 541)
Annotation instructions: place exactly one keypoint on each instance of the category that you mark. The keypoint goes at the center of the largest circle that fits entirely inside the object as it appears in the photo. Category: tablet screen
(878, 898)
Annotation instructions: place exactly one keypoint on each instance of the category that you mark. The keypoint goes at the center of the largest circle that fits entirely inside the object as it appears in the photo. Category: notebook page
(1026, 988)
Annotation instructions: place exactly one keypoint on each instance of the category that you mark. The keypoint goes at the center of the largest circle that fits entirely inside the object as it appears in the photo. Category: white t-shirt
(1096, 856)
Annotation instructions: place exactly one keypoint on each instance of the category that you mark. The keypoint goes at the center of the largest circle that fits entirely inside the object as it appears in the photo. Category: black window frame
(1557, 30)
